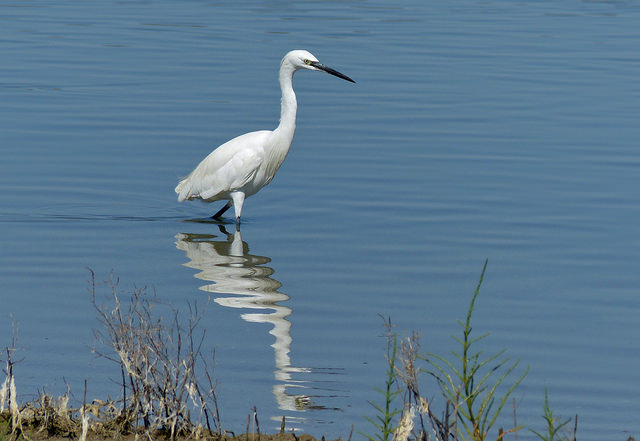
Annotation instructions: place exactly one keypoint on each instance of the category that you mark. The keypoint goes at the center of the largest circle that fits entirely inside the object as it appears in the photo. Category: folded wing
(228, 168)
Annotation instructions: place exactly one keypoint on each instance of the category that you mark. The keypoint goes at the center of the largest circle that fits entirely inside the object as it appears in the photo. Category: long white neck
(289, 106)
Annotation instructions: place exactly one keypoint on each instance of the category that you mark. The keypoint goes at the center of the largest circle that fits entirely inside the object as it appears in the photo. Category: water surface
(501, 130)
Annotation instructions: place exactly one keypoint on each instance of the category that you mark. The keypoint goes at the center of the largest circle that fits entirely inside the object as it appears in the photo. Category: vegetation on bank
(168, 391)
(474, 389)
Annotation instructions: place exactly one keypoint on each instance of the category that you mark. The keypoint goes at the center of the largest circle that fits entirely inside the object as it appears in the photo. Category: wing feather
(229, 167)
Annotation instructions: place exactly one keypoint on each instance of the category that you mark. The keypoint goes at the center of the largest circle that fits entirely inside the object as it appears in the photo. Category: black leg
(220, 212)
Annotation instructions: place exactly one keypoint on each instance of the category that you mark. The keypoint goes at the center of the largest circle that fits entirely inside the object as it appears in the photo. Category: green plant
(553, 423)
(386, 412)
(5, 427)
(471, 384)
(6, 434)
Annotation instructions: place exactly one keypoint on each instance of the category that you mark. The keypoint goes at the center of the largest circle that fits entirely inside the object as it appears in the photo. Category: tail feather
(183, 189)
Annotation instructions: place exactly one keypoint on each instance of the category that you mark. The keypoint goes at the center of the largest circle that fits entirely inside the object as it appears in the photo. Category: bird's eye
(307, 61)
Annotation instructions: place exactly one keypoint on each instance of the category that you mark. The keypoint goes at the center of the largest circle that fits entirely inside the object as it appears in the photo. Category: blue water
(496, 129)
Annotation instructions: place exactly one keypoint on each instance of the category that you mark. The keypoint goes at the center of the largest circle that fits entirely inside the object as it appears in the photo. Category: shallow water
(501, 130)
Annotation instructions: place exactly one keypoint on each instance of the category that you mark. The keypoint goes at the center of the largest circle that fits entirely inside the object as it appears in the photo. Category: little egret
(240, 167)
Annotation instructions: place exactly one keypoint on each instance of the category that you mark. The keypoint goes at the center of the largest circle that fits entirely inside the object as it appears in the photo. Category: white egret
(240, 167)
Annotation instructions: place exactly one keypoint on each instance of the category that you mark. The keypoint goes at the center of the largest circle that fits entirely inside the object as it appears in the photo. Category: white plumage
(240, 167)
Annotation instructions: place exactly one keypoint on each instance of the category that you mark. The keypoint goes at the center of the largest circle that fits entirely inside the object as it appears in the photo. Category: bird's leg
(238, 201)
(220, 212)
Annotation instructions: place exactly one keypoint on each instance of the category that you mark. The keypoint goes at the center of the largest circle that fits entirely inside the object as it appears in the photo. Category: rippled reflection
(225, 261)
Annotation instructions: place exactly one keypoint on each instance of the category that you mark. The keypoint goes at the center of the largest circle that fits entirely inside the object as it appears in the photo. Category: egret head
(301, 59)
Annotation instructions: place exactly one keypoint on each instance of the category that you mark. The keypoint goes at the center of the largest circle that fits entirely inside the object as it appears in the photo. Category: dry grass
(168, 391)
(167, 385)
(65, 429)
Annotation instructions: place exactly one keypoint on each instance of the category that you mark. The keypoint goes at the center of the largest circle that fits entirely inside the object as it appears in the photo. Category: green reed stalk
(386, 412)
(471, 382)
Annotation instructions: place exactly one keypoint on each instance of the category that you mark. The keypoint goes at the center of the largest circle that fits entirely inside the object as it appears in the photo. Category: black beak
(328, 70)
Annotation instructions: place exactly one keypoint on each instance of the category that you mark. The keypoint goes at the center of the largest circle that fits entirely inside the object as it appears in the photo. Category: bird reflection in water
(225, 261)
